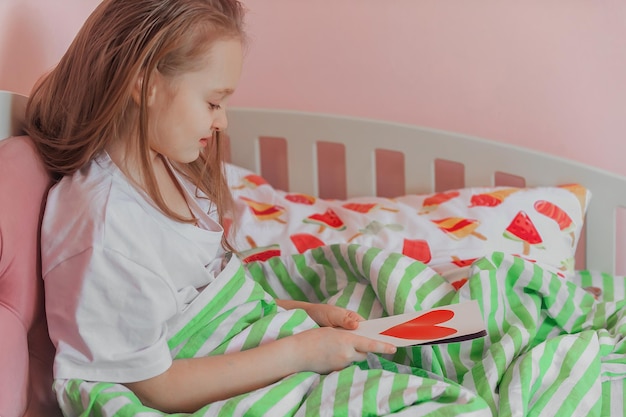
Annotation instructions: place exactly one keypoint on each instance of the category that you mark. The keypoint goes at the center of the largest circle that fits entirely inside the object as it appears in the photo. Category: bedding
(447, 230)
(552, 347)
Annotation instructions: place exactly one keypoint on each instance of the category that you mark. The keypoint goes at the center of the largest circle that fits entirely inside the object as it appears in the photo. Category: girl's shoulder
(90, 193)
(96, 189)
(90, 208)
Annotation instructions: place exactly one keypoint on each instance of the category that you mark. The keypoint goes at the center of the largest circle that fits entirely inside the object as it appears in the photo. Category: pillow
(447, 230)
(26, 350)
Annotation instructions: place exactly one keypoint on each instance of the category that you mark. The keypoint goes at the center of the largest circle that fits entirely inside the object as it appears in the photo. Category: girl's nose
(220, 122)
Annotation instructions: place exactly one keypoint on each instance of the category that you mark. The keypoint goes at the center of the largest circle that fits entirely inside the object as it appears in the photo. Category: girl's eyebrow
(224, 91)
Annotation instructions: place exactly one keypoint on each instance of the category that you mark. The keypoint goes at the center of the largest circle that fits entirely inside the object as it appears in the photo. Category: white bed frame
(484, 163)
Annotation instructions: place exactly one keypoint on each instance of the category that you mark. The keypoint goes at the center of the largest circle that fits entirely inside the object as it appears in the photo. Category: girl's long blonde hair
(86, 101)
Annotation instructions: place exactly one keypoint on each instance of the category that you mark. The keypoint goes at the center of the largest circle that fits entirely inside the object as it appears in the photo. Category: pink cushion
(26, 350)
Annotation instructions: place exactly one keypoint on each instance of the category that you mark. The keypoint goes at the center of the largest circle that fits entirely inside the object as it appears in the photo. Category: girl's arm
(190, 384)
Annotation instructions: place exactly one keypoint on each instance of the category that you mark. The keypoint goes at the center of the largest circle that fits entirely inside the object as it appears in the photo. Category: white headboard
(12, 108)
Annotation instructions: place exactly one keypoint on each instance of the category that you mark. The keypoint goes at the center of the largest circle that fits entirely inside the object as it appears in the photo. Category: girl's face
(187, 109)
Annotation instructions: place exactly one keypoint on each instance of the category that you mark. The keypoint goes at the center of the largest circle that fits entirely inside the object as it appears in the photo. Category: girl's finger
(351, 320)
(365, 344)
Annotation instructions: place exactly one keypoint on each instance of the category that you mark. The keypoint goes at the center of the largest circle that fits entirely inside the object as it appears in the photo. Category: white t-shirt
(116, 270)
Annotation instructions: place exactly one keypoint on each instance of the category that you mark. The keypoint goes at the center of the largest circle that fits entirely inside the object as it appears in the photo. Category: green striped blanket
(552, 348)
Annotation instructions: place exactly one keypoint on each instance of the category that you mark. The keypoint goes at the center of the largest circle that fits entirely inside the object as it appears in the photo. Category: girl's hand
(326, 349)
(326, 315)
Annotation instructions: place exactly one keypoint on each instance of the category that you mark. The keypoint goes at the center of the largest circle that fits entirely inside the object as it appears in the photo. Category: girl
(129, 123)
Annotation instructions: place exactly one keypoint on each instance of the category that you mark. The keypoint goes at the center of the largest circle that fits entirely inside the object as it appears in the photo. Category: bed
(385, 218)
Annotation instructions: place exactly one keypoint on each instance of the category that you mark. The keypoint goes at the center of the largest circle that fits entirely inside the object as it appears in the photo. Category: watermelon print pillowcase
(447, 230)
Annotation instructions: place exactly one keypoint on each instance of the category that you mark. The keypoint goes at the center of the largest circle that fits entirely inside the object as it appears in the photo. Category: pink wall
(33, 36)
(548, 75)
(545, 75)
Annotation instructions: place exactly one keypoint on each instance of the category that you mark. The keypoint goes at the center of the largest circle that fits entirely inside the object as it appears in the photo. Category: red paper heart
(423, 327)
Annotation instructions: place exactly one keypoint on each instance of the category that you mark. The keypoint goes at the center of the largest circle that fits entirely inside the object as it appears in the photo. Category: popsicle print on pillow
(447, 230)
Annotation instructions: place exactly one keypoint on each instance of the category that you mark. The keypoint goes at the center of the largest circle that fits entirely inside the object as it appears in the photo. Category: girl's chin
(186, 159)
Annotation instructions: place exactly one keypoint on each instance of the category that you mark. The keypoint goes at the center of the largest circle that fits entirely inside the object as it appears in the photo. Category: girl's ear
(136, 93)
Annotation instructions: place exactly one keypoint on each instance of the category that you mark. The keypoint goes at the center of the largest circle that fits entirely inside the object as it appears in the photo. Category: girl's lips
(204, 142)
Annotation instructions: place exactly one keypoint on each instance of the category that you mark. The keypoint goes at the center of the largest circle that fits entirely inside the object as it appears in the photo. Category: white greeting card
(445, 324)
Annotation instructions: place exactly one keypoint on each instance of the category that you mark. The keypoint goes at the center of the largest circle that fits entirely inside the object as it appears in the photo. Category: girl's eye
(214, 106)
